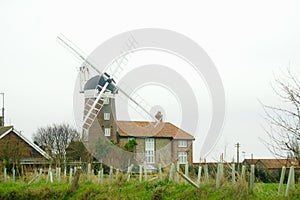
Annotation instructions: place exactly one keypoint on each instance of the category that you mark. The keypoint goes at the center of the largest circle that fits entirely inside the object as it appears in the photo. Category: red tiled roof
(148, 129)
(273, 163)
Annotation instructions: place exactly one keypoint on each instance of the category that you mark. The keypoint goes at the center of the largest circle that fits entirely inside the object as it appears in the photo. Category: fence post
(145, 172)
(56, 173)
(205, 173)
(89, 172)
(110, 174)
(218, 176)
(290, 181)
(140, 173)
(252, 177)
(65, 171)
(186, 169)
(50, 177)
(129, 172)
(40, 174)
(75, 183)
(293, 177)
(117, 174)
(171, 175)
(35, 173)
(159, 172)
(177, 177)
(221, 171)
(100, 176)
(59, 172)
(233, 172)
(14, 175)
(70, 175)
(199, 174)
(243, 172)
(4, 174)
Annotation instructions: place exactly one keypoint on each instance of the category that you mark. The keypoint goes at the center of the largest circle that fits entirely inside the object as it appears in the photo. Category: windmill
(99, 84)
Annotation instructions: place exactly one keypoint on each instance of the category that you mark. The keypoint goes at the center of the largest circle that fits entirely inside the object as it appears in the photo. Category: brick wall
(163, 149)
(14, 147)
(188, 149)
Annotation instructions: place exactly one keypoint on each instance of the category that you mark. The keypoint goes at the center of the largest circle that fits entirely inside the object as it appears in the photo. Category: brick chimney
(159, 116)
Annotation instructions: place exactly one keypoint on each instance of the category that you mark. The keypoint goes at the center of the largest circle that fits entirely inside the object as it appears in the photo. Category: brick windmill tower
(105, 108)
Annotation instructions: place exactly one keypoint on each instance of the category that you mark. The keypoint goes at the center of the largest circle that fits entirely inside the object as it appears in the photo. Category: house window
(107, 131)
(106, 100)
(85, 135)
(149, 149)
(106, 116)
(182, 157)
(182, 143)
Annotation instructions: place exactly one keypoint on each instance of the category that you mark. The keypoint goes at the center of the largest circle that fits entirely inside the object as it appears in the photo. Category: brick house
(16, 148)
(163, 144)
(271, 164)
(269, 170)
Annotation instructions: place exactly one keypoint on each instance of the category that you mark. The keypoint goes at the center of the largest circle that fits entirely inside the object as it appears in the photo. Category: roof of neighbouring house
(273, 163)
(150, 129)
(5, 130)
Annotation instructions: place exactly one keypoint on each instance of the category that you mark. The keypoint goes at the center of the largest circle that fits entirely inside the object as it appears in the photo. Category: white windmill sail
(94, 105)
(92, 108)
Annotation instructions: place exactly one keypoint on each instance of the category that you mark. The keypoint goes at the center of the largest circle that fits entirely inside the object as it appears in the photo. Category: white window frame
(182, 143)
(149, 150)
(85, 135)
(106, 116)
(182, 157)
(106, 100)
(107, 132)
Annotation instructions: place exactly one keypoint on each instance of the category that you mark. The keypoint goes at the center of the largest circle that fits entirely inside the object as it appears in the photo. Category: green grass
(136, 190)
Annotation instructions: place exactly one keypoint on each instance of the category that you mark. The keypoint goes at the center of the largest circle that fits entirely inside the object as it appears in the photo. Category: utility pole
(238, 145)
(2, 117)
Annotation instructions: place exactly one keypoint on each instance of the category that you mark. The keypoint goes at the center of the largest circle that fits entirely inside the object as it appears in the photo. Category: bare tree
(55, 139)
(283, 122)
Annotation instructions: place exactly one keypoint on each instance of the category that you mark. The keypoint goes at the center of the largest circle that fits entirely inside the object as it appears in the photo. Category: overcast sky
(247, 41)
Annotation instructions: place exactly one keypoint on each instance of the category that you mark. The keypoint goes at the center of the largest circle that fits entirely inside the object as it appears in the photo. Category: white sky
(247, 42)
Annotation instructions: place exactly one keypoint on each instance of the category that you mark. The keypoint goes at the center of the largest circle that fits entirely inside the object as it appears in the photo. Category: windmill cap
(93, 82)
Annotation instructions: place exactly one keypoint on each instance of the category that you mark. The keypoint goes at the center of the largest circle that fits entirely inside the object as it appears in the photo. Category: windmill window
(182, 143)
(85, 135)
(106, 100)
(182, 157)
(106, 116)
(107, 131)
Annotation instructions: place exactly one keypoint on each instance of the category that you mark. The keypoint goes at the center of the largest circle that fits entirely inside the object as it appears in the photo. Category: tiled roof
(250, 161)
(148, 129)
(273, 163)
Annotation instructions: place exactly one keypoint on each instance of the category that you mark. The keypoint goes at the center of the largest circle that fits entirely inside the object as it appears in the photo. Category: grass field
(136, 190)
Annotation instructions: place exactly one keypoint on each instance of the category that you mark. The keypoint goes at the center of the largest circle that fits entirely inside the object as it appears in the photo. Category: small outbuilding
(16, 148)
